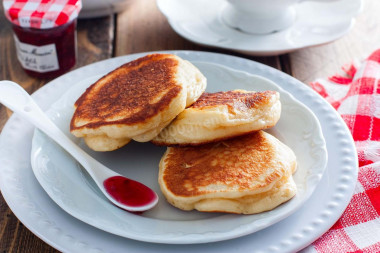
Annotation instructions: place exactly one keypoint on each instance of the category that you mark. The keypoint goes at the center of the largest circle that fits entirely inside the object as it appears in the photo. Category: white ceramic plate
(317, 23)
(72, 189)
(42, 216)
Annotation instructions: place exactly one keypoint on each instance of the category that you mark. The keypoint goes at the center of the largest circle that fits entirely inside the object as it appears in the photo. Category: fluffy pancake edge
(213, 122)
(211, 201)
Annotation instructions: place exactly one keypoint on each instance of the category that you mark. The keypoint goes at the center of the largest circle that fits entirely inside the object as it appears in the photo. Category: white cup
(261, 16)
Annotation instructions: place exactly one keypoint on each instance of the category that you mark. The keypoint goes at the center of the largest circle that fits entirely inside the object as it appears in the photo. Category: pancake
(136, 101)
(245, 175)
(222, 115)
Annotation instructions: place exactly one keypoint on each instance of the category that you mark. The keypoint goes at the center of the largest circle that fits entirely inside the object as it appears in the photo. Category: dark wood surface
(142, 28)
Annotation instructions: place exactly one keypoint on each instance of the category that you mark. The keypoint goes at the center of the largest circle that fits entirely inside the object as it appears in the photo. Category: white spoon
(121, 191)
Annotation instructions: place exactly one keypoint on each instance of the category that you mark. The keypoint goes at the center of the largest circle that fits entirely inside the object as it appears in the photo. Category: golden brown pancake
(234, 100)
(246, 174)
(136, 101)
(222, 115)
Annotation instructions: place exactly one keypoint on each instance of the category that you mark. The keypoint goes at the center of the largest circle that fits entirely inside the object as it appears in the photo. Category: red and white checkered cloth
(357, 98)
(41, 14)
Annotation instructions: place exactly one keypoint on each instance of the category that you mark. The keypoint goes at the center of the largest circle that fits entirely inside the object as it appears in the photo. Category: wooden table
(141, 28)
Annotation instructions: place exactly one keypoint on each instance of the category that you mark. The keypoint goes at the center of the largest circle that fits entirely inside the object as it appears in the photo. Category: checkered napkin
(41, 14)
(356, 97)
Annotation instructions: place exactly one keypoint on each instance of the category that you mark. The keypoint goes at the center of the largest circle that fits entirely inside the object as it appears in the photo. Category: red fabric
(356, 97)
(41, 14)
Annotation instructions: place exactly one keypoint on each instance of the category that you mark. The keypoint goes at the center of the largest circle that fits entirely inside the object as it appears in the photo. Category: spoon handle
(18, 100)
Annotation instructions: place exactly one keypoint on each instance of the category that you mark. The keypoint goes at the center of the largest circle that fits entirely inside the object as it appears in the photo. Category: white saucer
(317, 23)
(39, 213)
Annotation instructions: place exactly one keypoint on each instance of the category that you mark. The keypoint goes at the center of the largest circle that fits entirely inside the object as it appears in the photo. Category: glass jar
(46, 42)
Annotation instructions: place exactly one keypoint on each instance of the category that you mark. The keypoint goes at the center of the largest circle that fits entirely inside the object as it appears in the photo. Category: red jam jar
(44, 34)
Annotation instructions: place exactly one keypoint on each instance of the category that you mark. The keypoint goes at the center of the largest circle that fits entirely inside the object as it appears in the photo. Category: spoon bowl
(123, 192)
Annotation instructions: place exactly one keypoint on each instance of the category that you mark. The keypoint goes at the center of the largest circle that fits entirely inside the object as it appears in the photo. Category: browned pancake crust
(238, 161)
(127, 92)
(235, 100)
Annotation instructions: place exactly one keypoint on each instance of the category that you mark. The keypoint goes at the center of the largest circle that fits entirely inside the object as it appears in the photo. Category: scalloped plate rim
(318, 219)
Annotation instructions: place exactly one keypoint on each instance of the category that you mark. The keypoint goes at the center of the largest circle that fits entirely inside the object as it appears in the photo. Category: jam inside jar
(46, 53)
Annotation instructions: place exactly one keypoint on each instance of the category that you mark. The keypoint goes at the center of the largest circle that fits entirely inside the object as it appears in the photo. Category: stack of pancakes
(218, 159)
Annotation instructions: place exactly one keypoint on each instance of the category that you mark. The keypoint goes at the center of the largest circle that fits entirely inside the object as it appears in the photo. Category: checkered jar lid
(41, 14)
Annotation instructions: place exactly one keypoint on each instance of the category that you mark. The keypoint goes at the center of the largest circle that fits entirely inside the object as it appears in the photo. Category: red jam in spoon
(129, 192)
